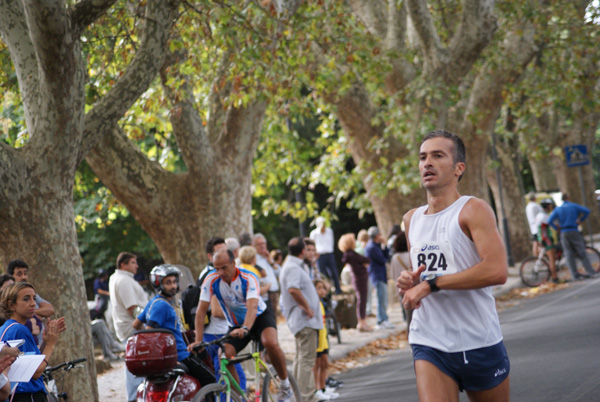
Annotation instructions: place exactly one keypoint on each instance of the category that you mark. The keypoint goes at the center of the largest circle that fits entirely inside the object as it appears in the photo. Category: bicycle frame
(230, 382)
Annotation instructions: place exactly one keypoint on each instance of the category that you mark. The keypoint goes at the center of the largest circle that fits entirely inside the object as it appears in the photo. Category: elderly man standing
(300, 307)
(264, 261)
(128, 299)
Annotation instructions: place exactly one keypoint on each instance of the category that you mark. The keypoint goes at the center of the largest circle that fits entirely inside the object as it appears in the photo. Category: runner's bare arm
(478, 222)
(407, 279)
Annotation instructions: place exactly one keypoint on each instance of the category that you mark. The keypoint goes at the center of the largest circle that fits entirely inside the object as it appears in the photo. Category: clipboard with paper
(24, 367)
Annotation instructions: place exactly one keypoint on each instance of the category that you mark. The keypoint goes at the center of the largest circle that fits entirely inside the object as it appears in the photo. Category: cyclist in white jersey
(237, 291)
(458, 254)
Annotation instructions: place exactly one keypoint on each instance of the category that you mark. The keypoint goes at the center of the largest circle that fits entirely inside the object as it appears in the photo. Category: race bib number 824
(436, 256)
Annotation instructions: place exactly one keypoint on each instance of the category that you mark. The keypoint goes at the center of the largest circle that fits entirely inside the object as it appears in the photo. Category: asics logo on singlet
(500, 372)
(429, 248)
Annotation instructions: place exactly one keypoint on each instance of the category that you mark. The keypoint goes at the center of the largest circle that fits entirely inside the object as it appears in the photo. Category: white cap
(320, 222)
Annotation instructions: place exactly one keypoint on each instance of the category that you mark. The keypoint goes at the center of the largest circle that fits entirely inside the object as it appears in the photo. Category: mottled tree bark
(513, 208)
(36, 181)
(181, 211)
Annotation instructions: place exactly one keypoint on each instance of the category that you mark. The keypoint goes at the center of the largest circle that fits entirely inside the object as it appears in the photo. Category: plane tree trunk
(36, 180)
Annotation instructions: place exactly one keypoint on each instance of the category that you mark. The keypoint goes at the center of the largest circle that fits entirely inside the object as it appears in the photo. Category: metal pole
(511, 260)
(297, 193)
(587, 221)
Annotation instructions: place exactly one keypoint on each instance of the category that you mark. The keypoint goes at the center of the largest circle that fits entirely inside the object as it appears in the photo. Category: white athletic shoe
(322, 396)
(386, 324)
(331, 392)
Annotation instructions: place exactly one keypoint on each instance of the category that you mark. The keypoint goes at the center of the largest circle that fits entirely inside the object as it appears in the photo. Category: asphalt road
(553, 342)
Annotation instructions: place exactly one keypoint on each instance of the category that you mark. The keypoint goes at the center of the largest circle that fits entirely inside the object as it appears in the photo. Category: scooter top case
(150, 352)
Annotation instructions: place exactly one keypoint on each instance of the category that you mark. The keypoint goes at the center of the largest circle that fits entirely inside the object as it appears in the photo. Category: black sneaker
(333, 383)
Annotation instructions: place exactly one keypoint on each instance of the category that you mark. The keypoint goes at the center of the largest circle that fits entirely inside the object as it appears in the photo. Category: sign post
(577, 156)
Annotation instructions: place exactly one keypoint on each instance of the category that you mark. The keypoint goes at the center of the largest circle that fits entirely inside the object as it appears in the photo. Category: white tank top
(449, 320)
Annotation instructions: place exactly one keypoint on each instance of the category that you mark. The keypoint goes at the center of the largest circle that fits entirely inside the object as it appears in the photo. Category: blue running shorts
(473, 370)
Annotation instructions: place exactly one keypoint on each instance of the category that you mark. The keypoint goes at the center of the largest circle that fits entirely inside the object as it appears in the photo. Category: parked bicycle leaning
(49, 378)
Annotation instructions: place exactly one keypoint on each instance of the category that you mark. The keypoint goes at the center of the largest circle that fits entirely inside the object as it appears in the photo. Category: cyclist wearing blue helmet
(159, 313)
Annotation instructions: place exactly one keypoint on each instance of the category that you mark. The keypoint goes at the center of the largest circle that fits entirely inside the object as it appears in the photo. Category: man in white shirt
(532, 209)
(324, 242)
(128, 299)
(264, 261)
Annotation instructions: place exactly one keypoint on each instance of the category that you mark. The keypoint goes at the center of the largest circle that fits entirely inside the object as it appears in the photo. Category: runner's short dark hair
(459, 154)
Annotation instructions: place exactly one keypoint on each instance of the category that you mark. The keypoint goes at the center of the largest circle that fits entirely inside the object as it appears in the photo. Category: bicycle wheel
(534, 272)
(52, 398)
(270, 388)
(215, 393)
(334, 328)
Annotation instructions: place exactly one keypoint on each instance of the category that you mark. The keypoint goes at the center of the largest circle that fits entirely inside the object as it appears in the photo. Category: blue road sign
(577, 155)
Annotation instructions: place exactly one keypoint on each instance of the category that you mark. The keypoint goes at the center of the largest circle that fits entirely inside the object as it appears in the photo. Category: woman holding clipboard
(17, 305)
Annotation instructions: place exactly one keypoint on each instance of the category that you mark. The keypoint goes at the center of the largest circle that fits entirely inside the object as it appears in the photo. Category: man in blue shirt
(159, 313)
(569, 216)
(378, 273)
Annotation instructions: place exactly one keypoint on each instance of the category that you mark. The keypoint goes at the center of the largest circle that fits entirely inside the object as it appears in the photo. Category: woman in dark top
(360, 277)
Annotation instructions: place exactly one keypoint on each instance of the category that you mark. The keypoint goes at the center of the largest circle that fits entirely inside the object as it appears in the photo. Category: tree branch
(188, 127)
(85, 12)
(372, 13)
(402, 72)
(160, 16)
(435, 54)
(395, 37)
(475, 31)
(48, 29)
(219, 92)
(124, 168)
(15, 33)
(486, 98)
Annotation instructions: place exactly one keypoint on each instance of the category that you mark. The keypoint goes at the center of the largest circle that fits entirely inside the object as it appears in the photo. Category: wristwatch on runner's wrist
(431, 280)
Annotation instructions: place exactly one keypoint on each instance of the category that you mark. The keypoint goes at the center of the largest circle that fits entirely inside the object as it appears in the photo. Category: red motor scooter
(153, 354)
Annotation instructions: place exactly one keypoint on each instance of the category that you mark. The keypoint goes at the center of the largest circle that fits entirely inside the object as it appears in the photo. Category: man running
(237, 291)
(459, 254)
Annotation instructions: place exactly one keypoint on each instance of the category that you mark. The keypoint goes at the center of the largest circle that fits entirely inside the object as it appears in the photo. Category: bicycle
(333, 326)
(536, 270)
(48, 376)
(266, 387)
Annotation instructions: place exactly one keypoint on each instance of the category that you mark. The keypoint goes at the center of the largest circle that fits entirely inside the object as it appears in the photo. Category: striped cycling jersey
(232, 297)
